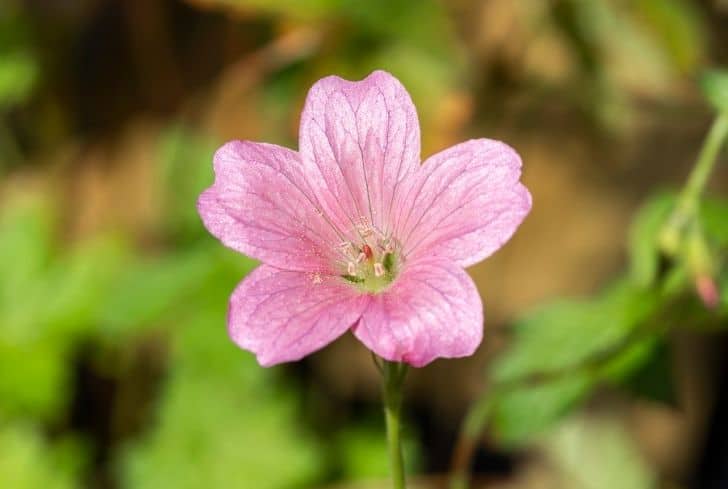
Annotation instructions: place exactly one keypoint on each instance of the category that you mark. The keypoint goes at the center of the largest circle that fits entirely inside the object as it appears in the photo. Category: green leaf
(714, 84)
(39, 383)
(654, 380)
(30, 462)
(713, 212)
(597, 454)
(676, 24)
(565, 334)
(219, 430)
(156, 292)
(523, 412)
(310, 10)
(625, 362)
(26, 227)
(185, 158)
(644, 252)
(18, 74)
(78, 284)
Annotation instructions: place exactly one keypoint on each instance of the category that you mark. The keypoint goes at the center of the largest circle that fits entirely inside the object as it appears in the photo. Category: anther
(378, 269)
(351, 269)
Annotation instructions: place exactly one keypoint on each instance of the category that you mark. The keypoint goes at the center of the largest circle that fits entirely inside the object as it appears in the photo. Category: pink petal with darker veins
(261, 204)
(362, 141)
(432, 310)
(467, 203)
(282, 316)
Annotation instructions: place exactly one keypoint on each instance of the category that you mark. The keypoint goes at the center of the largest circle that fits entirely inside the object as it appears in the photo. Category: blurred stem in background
(530, 388)
(393, 374)
(687, 207)
(683, 232)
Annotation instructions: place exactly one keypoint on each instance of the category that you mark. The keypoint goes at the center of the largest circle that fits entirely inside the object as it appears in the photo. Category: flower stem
(689, 199)
(705, 163)
(394, 374)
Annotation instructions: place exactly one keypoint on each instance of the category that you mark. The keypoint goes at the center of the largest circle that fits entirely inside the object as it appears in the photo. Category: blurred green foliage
(598, 454)
(29, 462)
(218, 420)
(715, 86)
(560, 353)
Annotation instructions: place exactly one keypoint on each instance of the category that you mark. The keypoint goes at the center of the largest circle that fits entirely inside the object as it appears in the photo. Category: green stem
(689, 199)
(394, 374)
(706, 162)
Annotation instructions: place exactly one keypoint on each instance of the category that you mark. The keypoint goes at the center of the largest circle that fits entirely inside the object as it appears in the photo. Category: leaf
(217, 429)
(625, 362)
(677, 25)
(185, 159)
(523, 412)
(713, 212)
(644, 252)
(30, 462)
(77, 285)
(18, 75)
(155, 292)
(597, 454)
(310, 10)
(565, 334)
(26, 227)
(714, 84)
(39, 383)
(654, 380)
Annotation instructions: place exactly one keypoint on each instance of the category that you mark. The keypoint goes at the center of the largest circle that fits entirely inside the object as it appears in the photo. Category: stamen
(378, 269)
(351, 269)
(361, 257)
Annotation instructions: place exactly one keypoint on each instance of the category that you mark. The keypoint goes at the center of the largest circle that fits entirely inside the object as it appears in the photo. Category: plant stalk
(705, 163)
(394, 374)
(688, 202)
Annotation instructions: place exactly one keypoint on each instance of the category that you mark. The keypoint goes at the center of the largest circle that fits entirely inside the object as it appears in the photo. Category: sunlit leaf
(598, 454)
(39, 383)
(29, 462)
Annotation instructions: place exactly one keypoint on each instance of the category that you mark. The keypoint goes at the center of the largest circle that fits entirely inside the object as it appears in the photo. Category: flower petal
(363, 141)
(432, 310)
(261, 204)
(467, 204)
(282, 316)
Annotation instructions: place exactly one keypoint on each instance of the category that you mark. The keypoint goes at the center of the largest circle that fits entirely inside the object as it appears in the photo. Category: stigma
(371, 261)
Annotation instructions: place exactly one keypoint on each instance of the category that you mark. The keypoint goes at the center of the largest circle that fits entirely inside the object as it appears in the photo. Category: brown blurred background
(115, 368)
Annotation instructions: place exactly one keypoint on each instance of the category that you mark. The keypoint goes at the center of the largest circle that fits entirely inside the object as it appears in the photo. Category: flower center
(371, 262)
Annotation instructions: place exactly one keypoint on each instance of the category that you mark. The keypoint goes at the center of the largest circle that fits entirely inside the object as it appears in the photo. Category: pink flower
(354, 234)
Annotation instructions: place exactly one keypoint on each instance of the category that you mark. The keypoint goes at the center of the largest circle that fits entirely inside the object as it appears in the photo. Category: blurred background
(601, 367)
